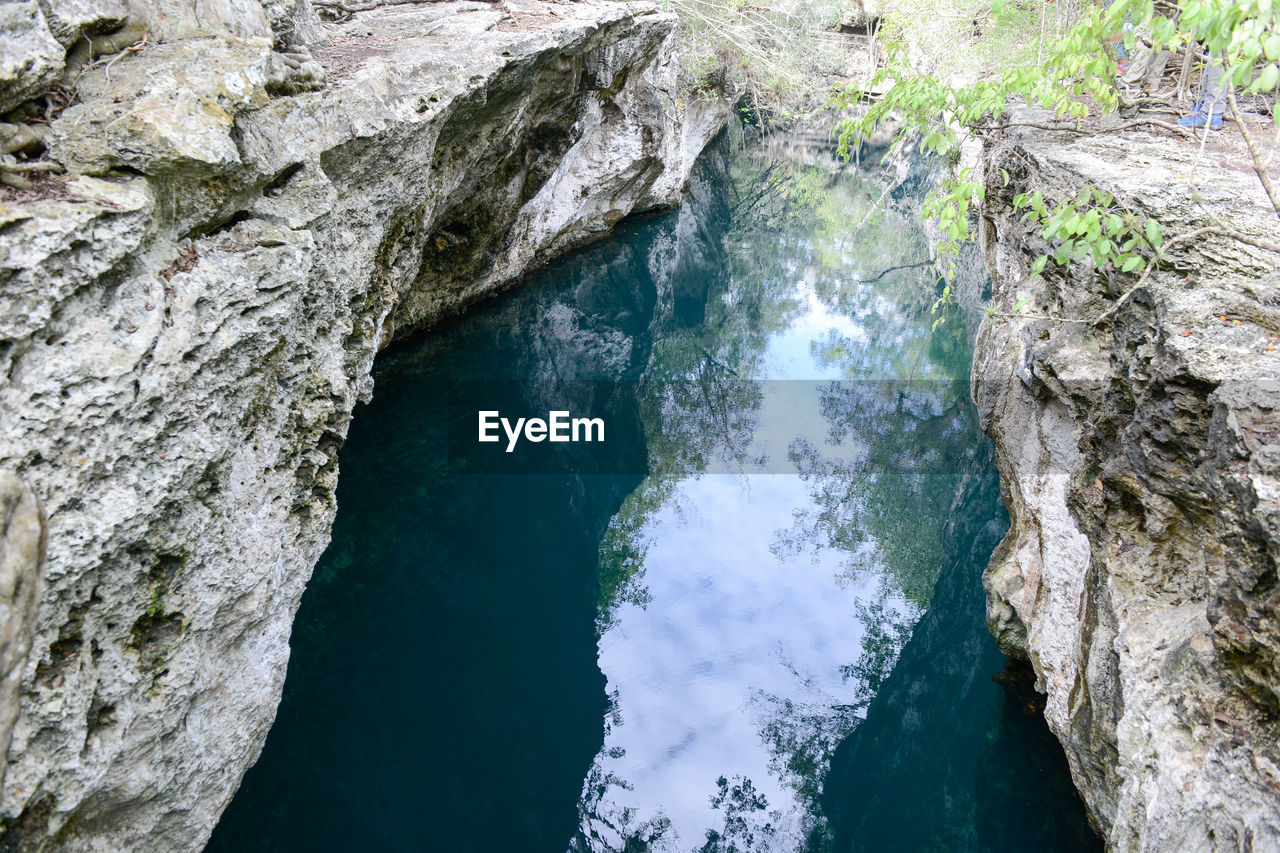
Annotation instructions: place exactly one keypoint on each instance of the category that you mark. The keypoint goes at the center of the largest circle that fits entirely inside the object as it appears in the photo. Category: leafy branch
(1091, 225)
(1075, 77)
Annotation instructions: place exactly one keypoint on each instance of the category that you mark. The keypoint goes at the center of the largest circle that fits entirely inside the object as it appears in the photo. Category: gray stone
(68, 20)
(176, 19)
(294, 23)
(30, 57)
(177, 111)
(23, 537)
(55, 248)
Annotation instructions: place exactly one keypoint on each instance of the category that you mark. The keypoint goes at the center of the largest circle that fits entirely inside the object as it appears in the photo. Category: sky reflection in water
(741, 630)
(534, 661)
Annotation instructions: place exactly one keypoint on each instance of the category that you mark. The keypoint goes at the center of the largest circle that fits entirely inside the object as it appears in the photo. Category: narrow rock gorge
(1137, 442)
(259, 203)
(256, 202)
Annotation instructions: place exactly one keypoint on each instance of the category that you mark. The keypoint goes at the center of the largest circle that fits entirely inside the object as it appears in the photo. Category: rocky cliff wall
(1140, 459)
(187, 321)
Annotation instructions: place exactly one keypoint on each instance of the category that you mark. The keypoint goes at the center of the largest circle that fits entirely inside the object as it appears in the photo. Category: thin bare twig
(351, 9)
(131, 49)
(874, 208)
(1253, 151)
(885, 272)
(1195, 164)
(1184, 238)
(1010, 315)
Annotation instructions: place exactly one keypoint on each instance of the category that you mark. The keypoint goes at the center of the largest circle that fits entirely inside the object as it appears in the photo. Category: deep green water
(751, 619)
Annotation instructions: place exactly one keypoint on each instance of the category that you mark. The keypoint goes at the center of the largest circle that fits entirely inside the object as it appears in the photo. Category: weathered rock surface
(39, 39)
(23, 536)
(1141, 462)
(179, 120)
(68, 20)
(183, 348)
(30, 57)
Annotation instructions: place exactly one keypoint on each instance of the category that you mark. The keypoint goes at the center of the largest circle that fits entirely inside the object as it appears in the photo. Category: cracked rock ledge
(1140, 459)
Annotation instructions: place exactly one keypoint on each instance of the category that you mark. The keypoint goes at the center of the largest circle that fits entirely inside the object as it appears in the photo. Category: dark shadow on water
(392, 734)
(443, 692)
(948, 759)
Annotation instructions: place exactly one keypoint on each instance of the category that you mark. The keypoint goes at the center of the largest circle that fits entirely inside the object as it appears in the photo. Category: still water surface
(750, 620)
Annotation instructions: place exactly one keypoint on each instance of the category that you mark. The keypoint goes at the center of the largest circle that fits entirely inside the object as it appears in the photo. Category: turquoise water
(750, 619)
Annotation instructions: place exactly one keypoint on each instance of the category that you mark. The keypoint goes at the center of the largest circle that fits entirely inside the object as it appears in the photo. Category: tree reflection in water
(487, 662)
(879, 476)
(827, 288)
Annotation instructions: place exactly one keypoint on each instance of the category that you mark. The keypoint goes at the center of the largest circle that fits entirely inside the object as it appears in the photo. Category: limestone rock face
(294, 23)
(22, 548)
(70, 19)
(181, 113)
(175, 19)
(39, 39)
(1140, 458)
(186, 331)
(30, 57)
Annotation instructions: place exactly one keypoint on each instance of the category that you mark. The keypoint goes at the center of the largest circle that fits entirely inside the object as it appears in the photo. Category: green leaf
(1131, 264)
(1153, 234)
(1272, 47)
(1267, 79)
(1038, 266)
(1093, 227)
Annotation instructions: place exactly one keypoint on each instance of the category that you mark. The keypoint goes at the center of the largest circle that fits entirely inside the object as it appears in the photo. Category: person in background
(1213, 98)
(1146, 66)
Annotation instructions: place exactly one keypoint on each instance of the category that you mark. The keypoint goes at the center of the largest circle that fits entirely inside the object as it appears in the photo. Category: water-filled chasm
(749, 619)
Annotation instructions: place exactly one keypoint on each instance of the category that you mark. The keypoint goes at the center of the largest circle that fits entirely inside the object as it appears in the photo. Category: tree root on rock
(13, 172)
(129, 37)
(22, 139)
(341, 8)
